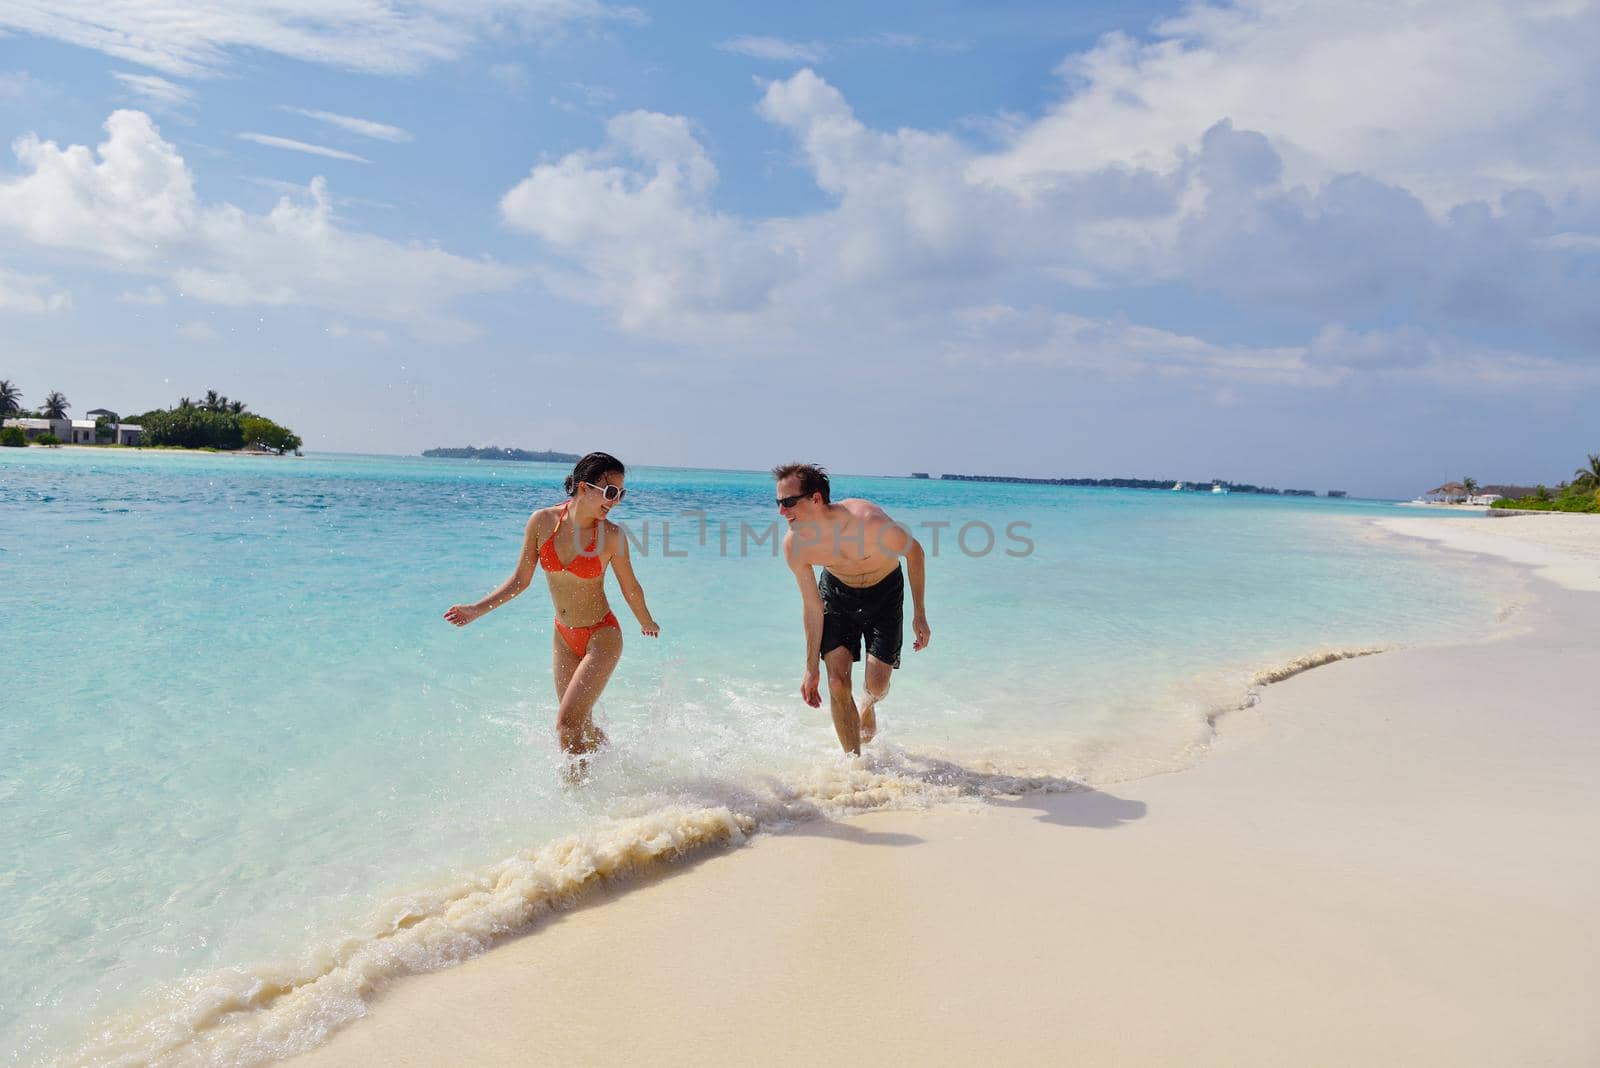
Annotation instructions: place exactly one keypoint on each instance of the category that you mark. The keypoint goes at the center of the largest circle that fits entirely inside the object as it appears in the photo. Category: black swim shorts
(874, 613)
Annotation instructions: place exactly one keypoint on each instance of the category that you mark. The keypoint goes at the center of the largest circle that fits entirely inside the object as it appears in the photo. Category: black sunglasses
(790, 502)
(611, 493)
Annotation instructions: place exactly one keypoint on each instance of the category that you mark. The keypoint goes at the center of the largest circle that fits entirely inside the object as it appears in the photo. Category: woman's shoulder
(544, 520)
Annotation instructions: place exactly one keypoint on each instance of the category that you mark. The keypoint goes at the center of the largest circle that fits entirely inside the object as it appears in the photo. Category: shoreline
(156, 450)
(274, 1009)
(1348, 876)
(1301, 894)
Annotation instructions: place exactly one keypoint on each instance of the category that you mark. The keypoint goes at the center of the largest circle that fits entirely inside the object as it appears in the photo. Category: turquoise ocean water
(246, 770)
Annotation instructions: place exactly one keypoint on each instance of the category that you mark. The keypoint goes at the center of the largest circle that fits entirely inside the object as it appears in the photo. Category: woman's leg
(563, 663)
(574, 719)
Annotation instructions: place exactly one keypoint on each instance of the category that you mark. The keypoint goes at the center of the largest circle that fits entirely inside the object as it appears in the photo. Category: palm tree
(214, 401)
(1589, 477)
(55, 405)
(1469, 485)
(236, 407)
(185, 402)
(10, 398)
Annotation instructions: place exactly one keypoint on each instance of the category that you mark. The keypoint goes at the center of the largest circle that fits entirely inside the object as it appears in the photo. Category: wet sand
(1388, 860)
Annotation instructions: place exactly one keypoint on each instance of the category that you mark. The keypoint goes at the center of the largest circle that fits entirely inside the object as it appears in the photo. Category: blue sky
(1351, 245)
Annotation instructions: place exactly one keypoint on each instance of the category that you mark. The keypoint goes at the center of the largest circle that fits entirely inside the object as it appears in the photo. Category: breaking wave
(253, 1016)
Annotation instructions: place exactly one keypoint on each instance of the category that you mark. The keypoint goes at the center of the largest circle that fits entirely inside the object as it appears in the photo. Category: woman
(574, 541)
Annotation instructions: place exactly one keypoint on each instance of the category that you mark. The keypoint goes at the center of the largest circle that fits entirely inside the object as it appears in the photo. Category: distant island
(494, 452)
(1209, 485)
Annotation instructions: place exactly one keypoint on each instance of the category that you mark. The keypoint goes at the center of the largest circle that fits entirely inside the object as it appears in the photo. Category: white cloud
(1000, 335)
(588, 205)
(378, 36)
(1445, 362)
(1455, 100)
(134, 210)
(774, 48)
(149, 296)
(379, 131)
(300, 146)
(156, 91)
(30, 293)
(199, 330)
(343, 331)
(918, 220)
(295, 189)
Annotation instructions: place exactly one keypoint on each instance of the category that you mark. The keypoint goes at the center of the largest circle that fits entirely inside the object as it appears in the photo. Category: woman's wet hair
(592, 468)
(813, 479)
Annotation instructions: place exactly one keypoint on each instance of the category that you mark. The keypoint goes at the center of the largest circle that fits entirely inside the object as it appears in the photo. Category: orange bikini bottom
(577, 638)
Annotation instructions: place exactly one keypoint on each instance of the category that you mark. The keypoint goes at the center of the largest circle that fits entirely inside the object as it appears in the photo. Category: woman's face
(594, 492)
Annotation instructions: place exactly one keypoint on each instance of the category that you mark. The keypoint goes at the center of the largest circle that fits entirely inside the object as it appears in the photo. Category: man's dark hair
(592, 468)
(813, 479)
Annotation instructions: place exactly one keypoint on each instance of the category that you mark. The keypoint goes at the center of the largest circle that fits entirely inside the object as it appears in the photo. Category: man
(859, 598)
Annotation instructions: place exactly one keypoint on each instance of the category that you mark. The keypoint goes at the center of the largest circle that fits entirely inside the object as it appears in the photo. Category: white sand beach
(1389, 860)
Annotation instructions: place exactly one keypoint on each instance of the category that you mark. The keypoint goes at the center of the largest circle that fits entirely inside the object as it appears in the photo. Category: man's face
(798, 507)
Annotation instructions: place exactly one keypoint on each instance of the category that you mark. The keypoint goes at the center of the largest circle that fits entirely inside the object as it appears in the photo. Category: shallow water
(247, 767)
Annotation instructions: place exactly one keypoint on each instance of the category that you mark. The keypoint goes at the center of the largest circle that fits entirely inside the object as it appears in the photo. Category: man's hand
(808, 689)
(462, 614)
(919, 627)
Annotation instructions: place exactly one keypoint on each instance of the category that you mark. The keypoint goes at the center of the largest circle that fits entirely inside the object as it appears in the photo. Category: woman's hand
(650, 628)
(462, 614)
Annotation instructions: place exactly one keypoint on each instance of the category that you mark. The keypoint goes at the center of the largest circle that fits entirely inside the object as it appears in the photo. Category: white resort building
(80, 431)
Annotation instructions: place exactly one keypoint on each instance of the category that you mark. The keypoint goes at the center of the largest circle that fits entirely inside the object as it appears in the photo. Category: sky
(1344, 245)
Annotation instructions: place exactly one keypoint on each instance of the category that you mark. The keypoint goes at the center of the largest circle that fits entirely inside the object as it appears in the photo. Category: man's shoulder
(862, 508)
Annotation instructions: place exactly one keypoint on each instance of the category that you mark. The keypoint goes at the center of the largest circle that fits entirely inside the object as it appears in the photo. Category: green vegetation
(10, 398)
(55, 405)
(214, 423)
(12, 437)
(1569, 497)
(47, 439)
(259, 430)
(192, 428)
(1588, 477)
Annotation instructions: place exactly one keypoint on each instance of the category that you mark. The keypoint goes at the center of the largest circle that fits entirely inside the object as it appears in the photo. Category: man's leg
(877, 683)
(846, 721)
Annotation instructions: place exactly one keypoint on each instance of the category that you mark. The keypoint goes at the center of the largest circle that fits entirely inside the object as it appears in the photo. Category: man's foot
(869, 720)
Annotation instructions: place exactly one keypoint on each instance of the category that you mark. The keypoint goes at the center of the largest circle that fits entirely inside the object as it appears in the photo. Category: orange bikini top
(586, 565)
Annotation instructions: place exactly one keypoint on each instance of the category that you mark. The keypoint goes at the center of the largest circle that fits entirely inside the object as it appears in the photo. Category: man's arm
(811, 608)
(896, 538)
(527, 563)
(916, 574)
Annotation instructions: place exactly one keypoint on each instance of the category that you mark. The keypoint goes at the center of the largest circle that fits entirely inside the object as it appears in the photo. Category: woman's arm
(527, 563)
(628, 583)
